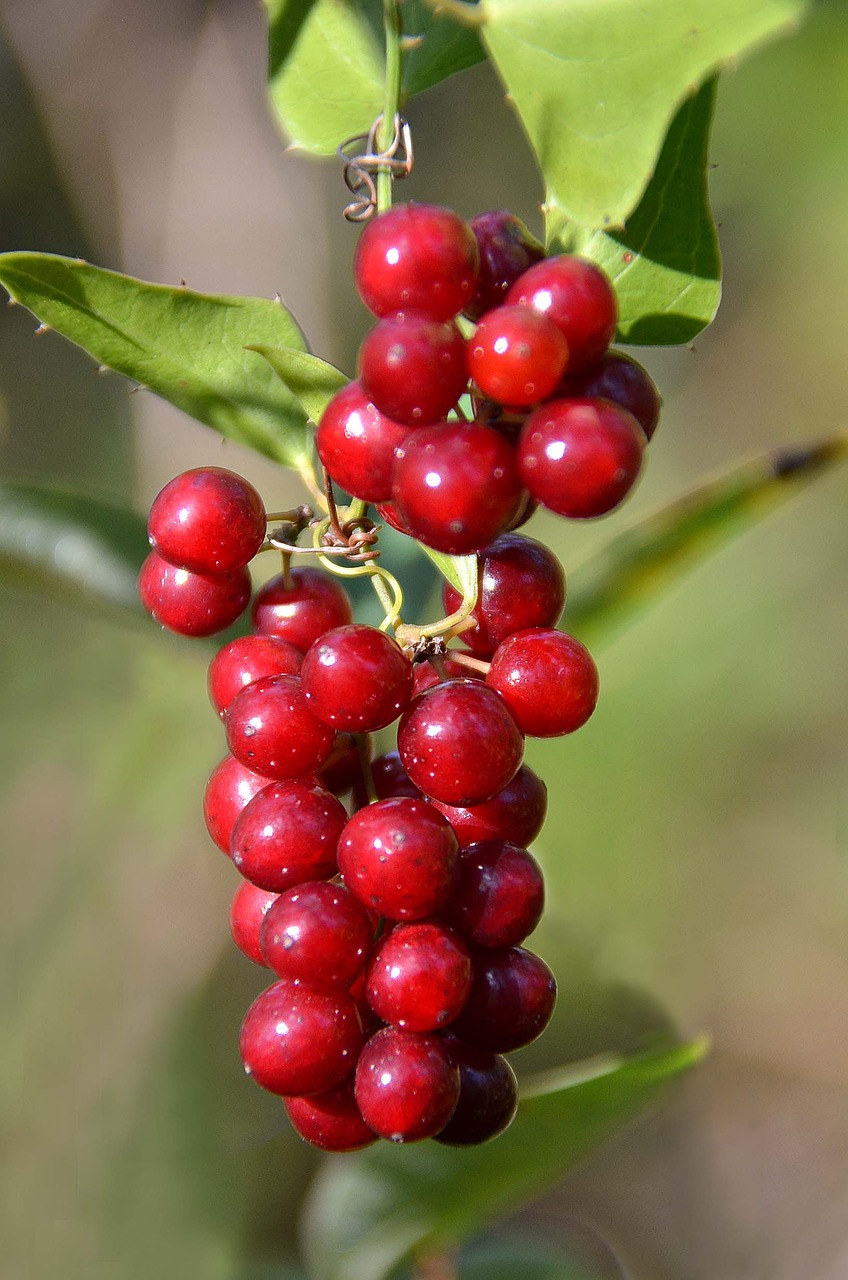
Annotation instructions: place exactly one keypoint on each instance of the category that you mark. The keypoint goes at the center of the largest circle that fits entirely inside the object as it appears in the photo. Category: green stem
(393, 25)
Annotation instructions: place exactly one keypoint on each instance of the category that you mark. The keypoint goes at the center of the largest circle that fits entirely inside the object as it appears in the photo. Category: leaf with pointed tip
(312, 381)
(190, 348)
(365, 1215)
(460, 571)
(637, 567)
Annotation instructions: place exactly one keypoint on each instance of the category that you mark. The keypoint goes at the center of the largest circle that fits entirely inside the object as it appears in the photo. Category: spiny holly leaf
(79, 548)
(327, 64)
(632, 571)
(190, 348)
(312, 382)
(460, 571)
(596, 85)
(366, 1214)
(665, 264)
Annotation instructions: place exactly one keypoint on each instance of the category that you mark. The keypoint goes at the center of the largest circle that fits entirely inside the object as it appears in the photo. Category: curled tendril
(362, 166)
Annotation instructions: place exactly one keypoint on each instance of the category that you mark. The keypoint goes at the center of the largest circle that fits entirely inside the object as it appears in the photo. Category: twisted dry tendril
(362, 166)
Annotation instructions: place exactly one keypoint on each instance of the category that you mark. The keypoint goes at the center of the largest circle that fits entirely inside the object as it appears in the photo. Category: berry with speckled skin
(331, 1121)
(300, 606)
(418, 257)
(192, 604)
(271, 729)
(548, 680)
(507, 248)
(247, 911)
(298, 1041)
(231, 786)
(208, 520)
(319, 934)
(246, 660)
(412, 368)
(356, 678)
(620, 378)
(517, 356)
(516, 813)
(287, 835)
(511, 1000)
(578, 297)
(407, 1085)
(419, 976)
(398, 857)
(499, 894)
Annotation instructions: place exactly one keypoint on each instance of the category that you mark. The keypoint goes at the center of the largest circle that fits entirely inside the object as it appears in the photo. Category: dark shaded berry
(498, 896)
(413, 369)
(511, 1001)
(343, 768)
(271, 729)
(419, 976)
(209, 520)
(398, 857)
(295, 1040)
(407, 1085)
(287, 835)
(231, 786)
(389, 778)
(517, 356)
(356, 678)
(247, 911)
(517, 813)
(357, 443)
(300, 606)
(548, 680)
(507, 249)
(192, 604)
(331, 1120)
(622, 379)
(319, 934)
(416, 256)
(246, 660)
(488, 1096)
(578, 297)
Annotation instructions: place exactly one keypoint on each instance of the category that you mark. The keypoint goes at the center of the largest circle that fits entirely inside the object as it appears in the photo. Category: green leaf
(366, 1214)
(513, 1258)
(326, 65)
(635, 568)
(187, 347)
(460, 571)
(71, 545)
(312, 382)
(665, 264)
(596, 84)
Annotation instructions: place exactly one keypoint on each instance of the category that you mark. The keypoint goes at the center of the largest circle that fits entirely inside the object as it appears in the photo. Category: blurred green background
(696, 844)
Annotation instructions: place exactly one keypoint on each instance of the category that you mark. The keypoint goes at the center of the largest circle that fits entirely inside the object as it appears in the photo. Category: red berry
(548, 680)
(517, 356)
(419, 977)
(331, 1120)
(398, 856)
(287, 835)
(488, 1096)
(416, 257)
(621, 379)
(407, 1085)
(231, 786)
(300, 606)
(456, 486)
(516, 813)
(192, 604)
(319, 934)
(578, 297)
(388, 511)
(580, 458)
(507, 249)
(247, 911)
(356, 678)
(271, 729)
(521, 585)
(246, 660)
(511, 1001)
(357, 444)
(209, 520)
(295, 1040)
(499, 894)
(413, 369)
(459, 744)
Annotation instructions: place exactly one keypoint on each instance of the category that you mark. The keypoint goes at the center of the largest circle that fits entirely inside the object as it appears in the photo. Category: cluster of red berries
(558, 419)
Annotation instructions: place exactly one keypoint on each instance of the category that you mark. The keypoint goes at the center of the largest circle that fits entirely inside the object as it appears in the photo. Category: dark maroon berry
(389, 778)
(578, 297)
(621, 379)
(580, 458)
(511, 1001)
(419, 977)
(300, 606)
(398, 857)
(521, 585)
(526, 511)
(488, 1096)
(517, 813)
(417, 257)
(407, 1085)
(413, 369)
(209, 520)
(342, 769)
(319, 934)
(246, 660)
(507, 249)
(247, 911)
(295, 1040)
(331, 1120)
(230, 787)
(499, 894)
(357, 444)
(548, 680)
(458, 744)
(426, 675)
(517, 356)
(456, 486)
(192, 604)
(356, 678)
(287, 835)
(271, 729)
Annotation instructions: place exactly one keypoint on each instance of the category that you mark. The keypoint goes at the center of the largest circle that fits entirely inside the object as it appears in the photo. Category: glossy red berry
(580, 458)
(622, 379)
(271, 729)
(246, 660)
(231, 786)
(287, 835)
(456, 486)
(300, 606)
(548, 679)
(578, 297)
(521, 585)
(419, 976)
(458, 743)
(412, 368)
(247, 911)
(517, 813)
(488, 1096)
(517, 356)
(416, 257)
(295, 1040)
(208, 520)
(331, 1121)
(499, 894)
(398, 857)
(507, 249)
(357, 444)
(192, 604)
(511, 1001)
(407, 1085)
(356, 678)
(319, 934)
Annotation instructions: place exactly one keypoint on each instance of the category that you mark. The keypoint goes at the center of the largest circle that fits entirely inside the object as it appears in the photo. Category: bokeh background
(697, 839)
